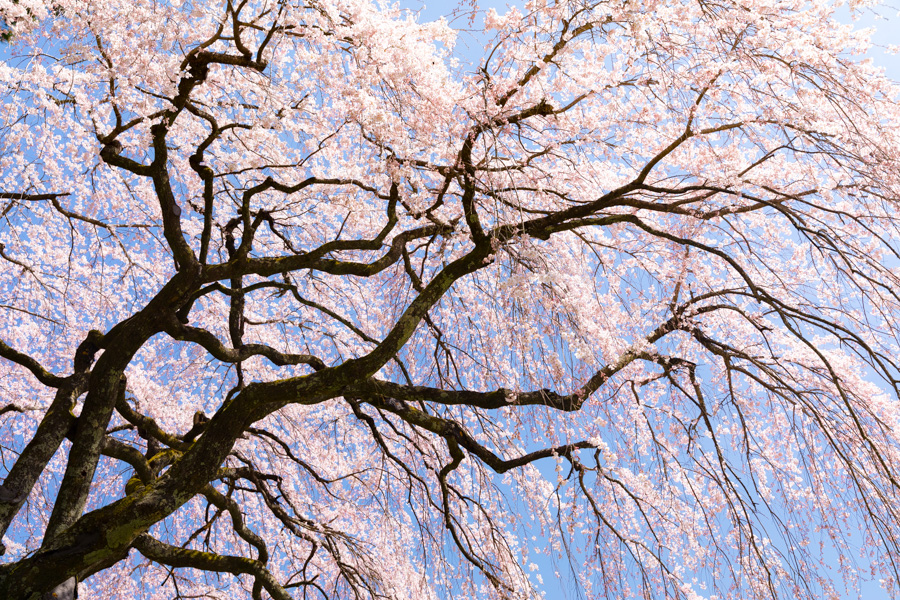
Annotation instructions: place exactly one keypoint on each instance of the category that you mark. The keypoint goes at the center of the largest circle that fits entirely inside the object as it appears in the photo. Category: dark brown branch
(24, 196)
(43, 375)
(147, 426)
(212, 345)
(208, 561)
(449, 429)
(223, 502)
(34, 458)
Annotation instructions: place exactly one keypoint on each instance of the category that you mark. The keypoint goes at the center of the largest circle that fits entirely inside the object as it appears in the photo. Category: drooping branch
(42, 374)
(502, 397)
(208, 561)
(146, 425)
(316, 259)
(26, 196)
(212, 344)
(217, 499)
(449, 429)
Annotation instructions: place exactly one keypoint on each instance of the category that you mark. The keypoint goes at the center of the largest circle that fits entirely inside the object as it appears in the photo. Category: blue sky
(887, 32)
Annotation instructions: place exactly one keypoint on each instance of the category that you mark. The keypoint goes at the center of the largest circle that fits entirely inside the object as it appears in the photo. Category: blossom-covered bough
(297, 301)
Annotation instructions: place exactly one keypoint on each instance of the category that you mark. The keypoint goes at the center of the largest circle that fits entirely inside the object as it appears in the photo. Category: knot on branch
(200, 421)
(550, 397)
(10, 496)
(111, 150)
(84, 355)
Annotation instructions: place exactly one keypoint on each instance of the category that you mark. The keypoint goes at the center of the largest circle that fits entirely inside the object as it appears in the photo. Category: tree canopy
(300, 300)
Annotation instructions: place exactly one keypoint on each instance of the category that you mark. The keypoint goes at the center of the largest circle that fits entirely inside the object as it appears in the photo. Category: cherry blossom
(301, 300)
